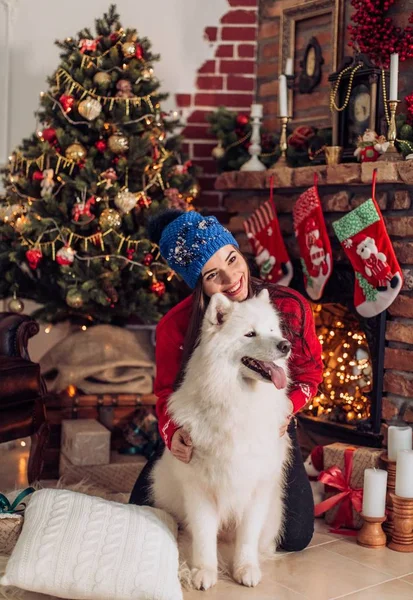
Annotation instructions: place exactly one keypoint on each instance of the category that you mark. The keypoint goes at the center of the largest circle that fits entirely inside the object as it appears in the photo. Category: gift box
(11, 518)
(118, 476)
(343, 476)
(85, 442)
(142, 433)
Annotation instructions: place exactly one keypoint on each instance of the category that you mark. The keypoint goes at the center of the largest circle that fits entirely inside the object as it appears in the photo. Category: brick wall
(226, 80)
(342, 188)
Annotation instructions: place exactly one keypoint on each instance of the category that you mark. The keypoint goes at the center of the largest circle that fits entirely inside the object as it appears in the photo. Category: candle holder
(282, 161)
(371, 535)
(254, 163)
(391, 488)
(391, 153)
(402, 538)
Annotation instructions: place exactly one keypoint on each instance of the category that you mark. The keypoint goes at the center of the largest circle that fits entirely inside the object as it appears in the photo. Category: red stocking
(263, 231)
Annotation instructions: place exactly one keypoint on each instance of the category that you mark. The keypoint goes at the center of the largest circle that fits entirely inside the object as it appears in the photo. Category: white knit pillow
(77, 546)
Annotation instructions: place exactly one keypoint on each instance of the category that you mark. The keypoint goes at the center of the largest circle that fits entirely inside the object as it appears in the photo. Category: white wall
(28, 29)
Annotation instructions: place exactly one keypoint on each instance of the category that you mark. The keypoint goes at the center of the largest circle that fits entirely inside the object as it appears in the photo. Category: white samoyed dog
(233, 401)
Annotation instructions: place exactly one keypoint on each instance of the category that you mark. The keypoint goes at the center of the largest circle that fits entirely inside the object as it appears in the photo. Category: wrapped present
(85, 442)
(343, 475)
(11, 519)
(118, 476)
(142, 433)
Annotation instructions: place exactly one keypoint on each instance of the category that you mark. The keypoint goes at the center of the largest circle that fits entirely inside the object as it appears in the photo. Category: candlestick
(282, 161)
(402, 539)
(374, 493)
(371, 534)
(289, 67)
(394, 76)
(254, 163)
(282, 96)
(399, 438)
(391, 486)
(391, 153)
(404, 474)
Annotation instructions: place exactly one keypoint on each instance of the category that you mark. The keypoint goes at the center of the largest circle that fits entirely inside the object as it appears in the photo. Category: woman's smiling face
(226, 272)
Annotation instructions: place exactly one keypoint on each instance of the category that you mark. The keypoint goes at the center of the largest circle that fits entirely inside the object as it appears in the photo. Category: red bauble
(158, 288)
(144, 201)
(139, 52)
(129, 253)
(67, 102)
(33, 258)
(242, 120)
(101, 145)
(148, 259)
(49, 135)
(113, 37)
(37, 176)
(115, 160)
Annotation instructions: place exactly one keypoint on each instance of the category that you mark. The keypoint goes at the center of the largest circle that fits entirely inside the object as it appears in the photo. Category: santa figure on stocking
(316, 249)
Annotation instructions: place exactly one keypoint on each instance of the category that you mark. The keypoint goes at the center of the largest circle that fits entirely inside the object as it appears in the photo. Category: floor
(332, 567)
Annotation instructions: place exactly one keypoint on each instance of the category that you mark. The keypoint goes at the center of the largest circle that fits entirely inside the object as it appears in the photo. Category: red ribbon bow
(347, 498)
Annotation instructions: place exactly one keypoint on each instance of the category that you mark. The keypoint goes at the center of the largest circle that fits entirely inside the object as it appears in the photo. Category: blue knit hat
(189, 241)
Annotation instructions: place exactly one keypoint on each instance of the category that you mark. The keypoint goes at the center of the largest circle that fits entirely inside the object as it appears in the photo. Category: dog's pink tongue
(278, 376)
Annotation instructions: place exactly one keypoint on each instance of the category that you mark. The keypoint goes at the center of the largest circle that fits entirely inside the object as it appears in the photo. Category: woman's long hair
(200, 304)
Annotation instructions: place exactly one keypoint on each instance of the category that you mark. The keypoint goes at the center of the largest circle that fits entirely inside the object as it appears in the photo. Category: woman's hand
(181, 445)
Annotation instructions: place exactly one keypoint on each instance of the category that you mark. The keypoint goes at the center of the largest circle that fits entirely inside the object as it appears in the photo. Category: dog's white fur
(235, 480)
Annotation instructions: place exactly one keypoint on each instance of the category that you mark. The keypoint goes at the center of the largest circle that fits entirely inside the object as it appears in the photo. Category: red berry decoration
(139, 52)
(101, 145)
(144, 201)
(67, 102)
(158, 288)
(129, 253)
(148, 259)
(37, 176)
(49, 135)
(242, 120)
(33, 258)
(114, 37)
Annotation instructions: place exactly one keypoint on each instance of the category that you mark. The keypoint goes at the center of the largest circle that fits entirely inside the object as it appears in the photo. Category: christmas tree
(79, 192)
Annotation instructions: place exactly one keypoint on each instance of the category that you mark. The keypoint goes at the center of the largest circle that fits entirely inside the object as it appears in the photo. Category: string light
(48, 329)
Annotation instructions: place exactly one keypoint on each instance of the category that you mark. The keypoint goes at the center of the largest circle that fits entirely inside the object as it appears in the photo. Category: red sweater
(305, 362)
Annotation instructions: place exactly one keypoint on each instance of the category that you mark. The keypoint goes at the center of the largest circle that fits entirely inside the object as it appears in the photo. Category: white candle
(404, 474)
(256, 110)
(399, 438)
(374, 493)
(282, 96)
(394, 76)
(289, 69)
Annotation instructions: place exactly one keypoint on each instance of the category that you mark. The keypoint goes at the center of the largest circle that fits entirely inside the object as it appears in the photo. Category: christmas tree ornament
(47, 183)
(128, 49)
(118, 143)
(74, 298)
(370, 146)
(264, 233)
(139, 52)
(147, 73)
(86, 45)
(365, 240)
(101, 145)
(144, 201)
(33, 257)
(15, 304)
(313, 241)
(67, 102)
(148, 259)
(158, 288)
(242, 120)
(129, 253)
(49, 135)
(125, 201)
(109, 176)
(219, 151)
(75, 152)
(20, 224)
(82, 209)
(175, 199)
(37, 176)
(89, 108)
(102, 78)
(124, 88)
(110, 219)
(65, 256)
(194, 190)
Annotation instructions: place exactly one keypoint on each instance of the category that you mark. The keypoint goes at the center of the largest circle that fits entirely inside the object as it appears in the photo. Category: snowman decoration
(265, 263)
(375, 265)
(316, 249)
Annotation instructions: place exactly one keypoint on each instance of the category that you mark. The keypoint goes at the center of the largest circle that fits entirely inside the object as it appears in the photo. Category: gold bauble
(128, 49)
(102, 78)
(218, 151)
(74, 298)
(15, 305)
(89, 108)
(118, 143)
(125, 201)
(75, 152)
(110, 219)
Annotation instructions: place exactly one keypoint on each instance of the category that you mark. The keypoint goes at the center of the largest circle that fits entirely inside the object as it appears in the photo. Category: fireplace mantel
(349, 174)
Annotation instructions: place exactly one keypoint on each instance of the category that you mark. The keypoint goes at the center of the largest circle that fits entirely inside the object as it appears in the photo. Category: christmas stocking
(263, 231)
(363, 234)
(313, 241)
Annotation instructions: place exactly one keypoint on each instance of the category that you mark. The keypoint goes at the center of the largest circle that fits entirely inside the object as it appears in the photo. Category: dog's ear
(218, 309)
(264, 295)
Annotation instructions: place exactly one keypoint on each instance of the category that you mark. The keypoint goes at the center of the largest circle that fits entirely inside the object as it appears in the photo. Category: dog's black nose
(284, 346)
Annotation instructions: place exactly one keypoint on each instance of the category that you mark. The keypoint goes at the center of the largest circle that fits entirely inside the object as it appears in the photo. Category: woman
(206, 255)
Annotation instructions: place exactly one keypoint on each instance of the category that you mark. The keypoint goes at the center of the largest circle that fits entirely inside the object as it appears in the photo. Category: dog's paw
(248, 575)
(204, 578)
